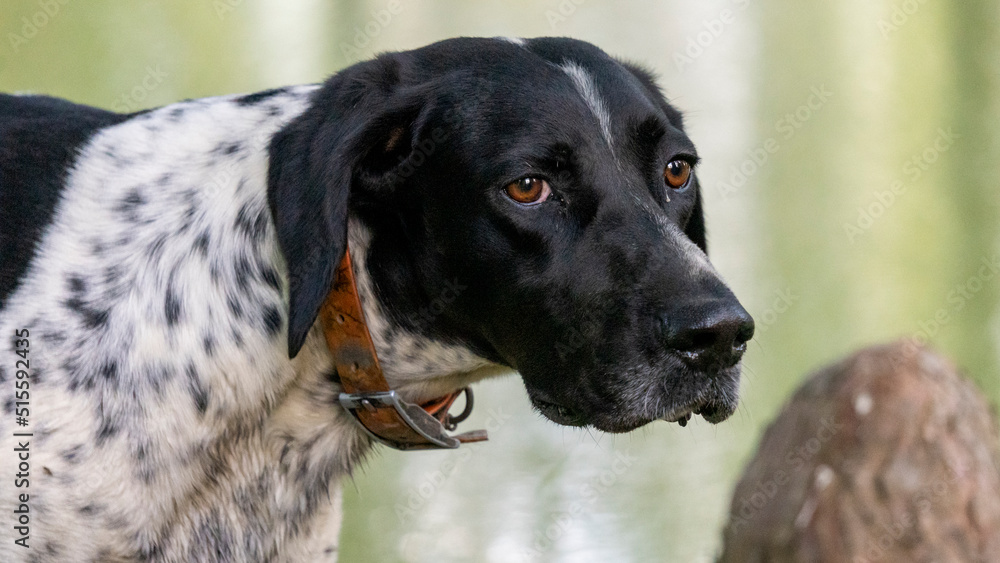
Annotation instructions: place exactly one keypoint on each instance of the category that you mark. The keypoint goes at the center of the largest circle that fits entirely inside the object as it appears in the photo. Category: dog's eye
(677, 173)
(528, 191)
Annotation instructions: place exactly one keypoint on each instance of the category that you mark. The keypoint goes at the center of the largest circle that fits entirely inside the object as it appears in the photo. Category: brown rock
(888, 456)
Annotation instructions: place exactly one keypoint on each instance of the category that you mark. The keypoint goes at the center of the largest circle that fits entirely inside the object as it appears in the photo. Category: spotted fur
(155, 305)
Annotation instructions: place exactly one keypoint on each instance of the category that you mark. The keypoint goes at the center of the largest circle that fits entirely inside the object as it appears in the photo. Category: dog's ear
(695, 228)
(354, 134)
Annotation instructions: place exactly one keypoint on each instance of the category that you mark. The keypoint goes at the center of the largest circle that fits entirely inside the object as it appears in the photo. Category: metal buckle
(451, 422)
(429, 427)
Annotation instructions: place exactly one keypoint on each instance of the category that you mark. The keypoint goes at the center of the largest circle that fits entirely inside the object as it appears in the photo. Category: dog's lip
(680, 416)
(683, 413)
(709, 410)
(558, 413)
(711, 399)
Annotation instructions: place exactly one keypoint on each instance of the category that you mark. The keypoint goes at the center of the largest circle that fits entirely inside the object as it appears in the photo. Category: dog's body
(163, 272)
(163, 403)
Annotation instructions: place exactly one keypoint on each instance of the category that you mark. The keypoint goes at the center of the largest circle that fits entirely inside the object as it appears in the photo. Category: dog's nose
(710, 337)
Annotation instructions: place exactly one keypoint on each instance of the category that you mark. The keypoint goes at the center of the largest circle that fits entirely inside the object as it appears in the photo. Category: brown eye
(527, 191)
(677, 173)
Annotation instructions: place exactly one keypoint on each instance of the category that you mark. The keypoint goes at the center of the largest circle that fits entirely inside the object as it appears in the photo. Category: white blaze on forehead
(584, 84)
(515, 40)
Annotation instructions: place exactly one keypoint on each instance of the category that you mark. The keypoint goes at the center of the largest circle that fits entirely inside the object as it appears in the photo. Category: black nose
(708, 337)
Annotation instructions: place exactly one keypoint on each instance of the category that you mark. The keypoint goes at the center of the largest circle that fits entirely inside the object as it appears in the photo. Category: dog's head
(552, 188)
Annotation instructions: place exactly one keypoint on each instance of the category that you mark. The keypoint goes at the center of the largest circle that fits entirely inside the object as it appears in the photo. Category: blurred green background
(851, 165)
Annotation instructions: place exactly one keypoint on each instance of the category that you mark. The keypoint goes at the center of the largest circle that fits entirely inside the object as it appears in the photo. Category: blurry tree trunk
(888, 456)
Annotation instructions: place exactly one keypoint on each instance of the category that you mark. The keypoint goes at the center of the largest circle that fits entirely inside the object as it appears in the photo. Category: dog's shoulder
(44, 141)
(152, 290)
(39, 136)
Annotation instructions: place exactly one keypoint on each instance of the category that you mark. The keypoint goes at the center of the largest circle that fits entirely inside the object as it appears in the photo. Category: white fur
(254, 474)
(520, 42)
(584, 84)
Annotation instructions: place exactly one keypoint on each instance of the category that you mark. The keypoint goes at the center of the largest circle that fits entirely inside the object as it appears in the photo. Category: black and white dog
(509, 204)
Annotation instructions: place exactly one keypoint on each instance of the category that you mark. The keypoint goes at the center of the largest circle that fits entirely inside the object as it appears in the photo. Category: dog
(509, 204)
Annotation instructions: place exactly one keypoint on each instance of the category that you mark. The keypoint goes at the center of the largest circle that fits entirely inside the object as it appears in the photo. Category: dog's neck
(418, 366)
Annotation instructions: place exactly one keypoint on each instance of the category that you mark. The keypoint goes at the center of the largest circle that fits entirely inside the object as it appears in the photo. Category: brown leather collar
(379, 409)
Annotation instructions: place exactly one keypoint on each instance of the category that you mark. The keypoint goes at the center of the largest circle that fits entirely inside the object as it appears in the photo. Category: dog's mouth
(712, 411)
(713, 400)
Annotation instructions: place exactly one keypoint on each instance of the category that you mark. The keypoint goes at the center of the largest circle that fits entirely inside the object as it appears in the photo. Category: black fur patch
(258, 97)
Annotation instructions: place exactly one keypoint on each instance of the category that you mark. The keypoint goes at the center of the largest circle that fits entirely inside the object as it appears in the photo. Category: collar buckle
(414, 417)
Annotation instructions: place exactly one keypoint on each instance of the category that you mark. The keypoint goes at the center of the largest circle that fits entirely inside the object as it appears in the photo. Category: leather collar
(366, 394)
